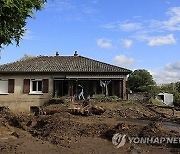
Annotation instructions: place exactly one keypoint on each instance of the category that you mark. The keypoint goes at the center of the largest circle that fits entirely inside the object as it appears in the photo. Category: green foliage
(173, 88)
(102, 98)
(154, 91)
(177, 86)
(157, 102)
(60, 100)
(13, 15)
(169, 87)
(176, 96)
(140, 81)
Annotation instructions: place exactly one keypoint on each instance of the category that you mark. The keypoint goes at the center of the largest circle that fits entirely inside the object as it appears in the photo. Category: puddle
(4, 138)
(7, 137)
(171, 125)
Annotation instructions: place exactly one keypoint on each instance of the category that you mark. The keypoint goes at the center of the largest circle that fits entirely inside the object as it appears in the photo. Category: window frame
(31, 86)
(5, 93)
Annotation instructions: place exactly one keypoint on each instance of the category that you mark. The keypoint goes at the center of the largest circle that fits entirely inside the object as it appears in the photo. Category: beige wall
(20, 102)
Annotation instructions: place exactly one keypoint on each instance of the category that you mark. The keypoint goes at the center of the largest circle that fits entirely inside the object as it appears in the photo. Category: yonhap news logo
(119, 140)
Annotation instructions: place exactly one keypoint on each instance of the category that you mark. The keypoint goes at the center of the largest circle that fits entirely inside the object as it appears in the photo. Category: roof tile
(60, 64)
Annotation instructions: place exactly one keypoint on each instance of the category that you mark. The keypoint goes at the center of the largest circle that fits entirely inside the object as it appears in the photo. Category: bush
(60, 100)
(102, 98)
(157, 102)
(176, 99)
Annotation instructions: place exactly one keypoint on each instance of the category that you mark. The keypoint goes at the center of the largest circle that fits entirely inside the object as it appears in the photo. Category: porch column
(94, 87)
(87, 89)
(70, 88)
(121, 89)
(112, 88)
(124, 89)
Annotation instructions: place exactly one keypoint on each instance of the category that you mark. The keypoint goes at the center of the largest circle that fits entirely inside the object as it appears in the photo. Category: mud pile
(61, 128)
(57, 129)
(153, 129)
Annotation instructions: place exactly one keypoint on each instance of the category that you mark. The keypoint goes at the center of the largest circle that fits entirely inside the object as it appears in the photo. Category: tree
(177, 86)
(173, 88)
(13, 15)
(140, 81)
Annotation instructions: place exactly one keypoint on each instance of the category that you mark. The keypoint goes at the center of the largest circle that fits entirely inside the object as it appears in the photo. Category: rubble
(66, 125)
(86, 110)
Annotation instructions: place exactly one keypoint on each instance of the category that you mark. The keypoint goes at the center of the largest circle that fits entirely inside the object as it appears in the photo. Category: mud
(59, 131)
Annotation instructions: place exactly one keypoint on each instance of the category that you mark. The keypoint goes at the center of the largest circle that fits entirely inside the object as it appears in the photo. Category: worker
(81, 92)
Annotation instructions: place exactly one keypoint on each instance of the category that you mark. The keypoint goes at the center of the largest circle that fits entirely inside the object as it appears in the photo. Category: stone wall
(139, 97)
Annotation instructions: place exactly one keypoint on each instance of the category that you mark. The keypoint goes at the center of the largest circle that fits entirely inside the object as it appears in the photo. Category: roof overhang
(81, 77)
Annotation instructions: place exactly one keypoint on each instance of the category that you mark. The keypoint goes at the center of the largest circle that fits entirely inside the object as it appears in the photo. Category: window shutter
(26, 86)
(11, 86)
(45, 85)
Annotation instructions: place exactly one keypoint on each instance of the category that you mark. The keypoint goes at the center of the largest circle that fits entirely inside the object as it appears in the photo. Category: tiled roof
(60, 64)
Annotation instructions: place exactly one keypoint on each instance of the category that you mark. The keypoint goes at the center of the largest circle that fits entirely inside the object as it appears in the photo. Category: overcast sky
(135, 34)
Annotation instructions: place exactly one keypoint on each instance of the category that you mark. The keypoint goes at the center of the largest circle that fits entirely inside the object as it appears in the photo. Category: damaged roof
(60, 64)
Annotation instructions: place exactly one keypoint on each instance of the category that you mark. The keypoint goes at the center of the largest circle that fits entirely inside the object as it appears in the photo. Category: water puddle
(4, 138)
(168, 124)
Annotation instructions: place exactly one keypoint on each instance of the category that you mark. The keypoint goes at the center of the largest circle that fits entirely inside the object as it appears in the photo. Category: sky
(134, 34)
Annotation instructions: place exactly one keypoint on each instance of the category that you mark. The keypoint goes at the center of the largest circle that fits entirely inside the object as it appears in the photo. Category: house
(166, 98)
(33, 81)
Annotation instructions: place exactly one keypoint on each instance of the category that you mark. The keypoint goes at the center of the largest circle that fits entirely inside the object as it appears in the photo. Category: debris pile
(85, 109)
(68, 125)
(153, 129)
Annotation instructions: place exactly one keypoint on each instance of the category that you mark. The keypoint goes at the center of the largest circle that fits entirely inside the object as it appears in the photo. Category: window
(36, 86)
(3, 86)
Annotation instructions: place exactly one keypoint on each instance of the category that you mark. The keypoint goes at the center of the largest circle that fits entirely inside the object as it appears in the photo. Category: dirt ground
(59, 131)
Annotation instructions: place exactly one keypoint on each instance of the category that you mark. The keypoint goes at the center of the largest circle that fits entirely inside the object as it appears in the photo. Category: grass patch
(119, 104)
(102, 98)
(157, 102)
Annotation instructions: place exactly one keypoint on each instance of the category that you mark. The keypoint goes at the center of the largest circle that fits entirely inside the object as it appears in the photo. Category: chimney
(75, 54)
(57, 53)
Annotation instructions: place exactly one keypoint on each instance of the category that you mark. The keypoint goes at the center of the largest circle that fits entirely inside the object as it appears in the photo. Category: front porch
(69, 87)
